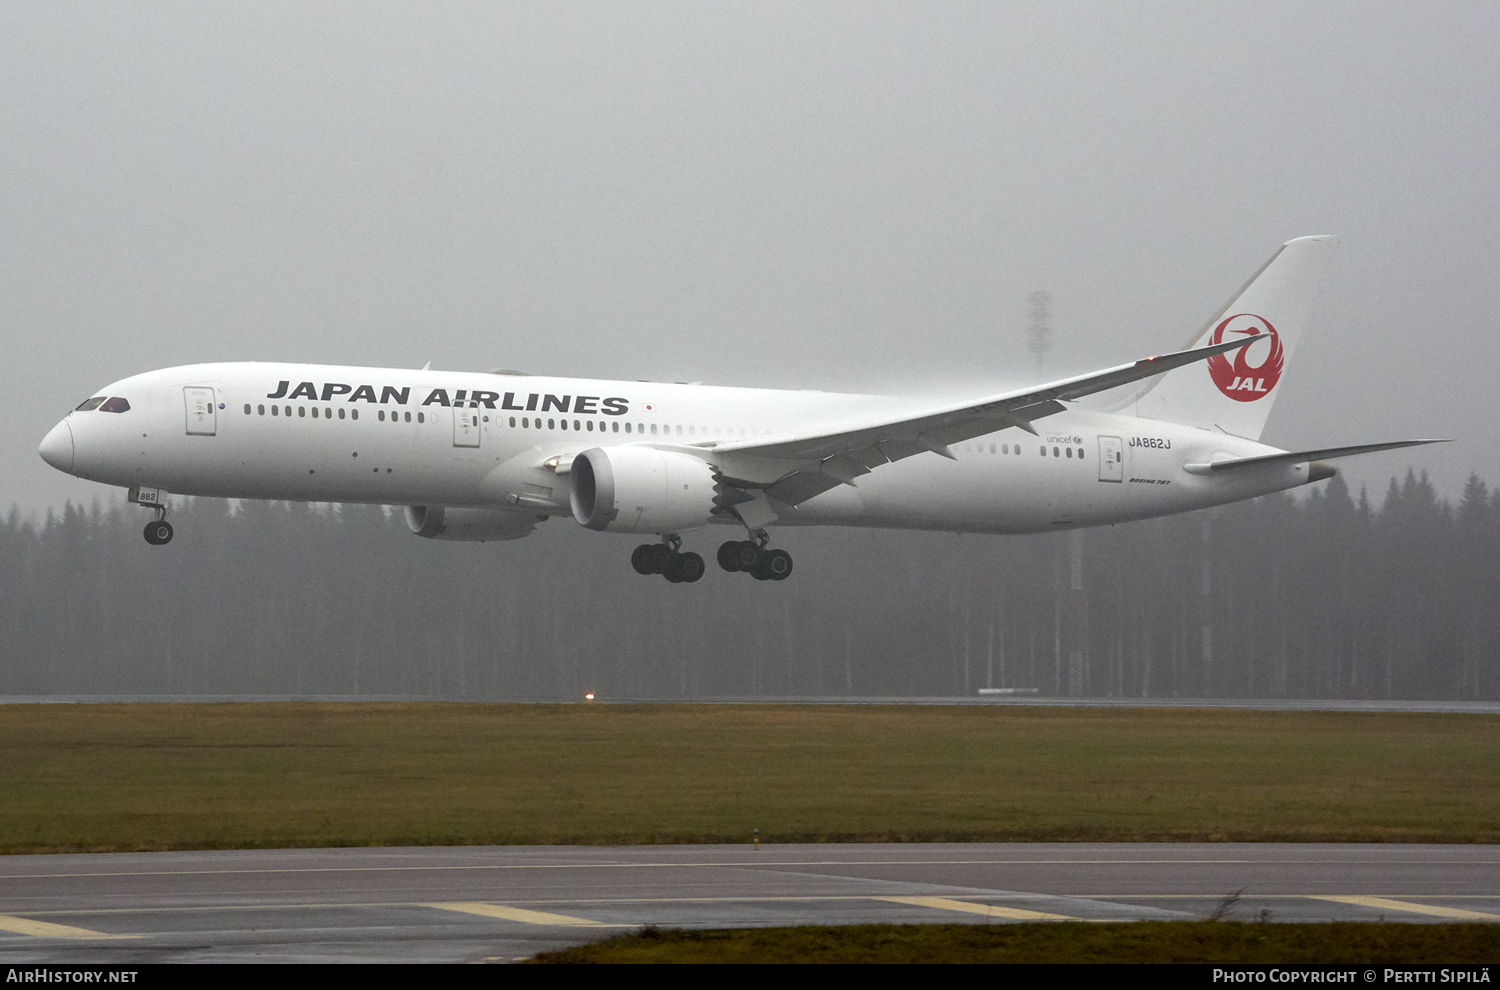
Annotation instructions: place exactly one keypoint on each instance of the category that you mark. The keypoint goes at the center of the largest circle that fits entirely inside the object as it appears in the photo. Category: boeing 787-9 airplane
(488, 456)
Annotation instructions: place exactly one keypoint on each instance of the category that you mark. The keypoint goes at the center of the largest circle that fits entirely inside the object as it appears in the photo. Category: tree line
(1319, 596)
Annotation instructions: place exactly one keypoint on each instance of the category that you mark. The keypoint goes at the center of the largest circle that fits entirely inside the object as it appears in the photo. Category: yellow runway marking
(46, 929)
(990, 910)
(520, 914)
(1386, 904)
(746, 863)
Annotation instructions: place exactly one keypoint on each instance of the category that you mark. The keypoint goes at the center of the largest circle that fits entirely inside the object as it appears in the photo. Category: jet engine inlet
(641, 490)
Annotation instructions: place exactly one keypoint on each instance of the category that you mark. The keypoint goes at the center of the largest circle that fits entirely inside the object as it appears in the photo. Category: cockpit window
(90, 404)
(115, 404)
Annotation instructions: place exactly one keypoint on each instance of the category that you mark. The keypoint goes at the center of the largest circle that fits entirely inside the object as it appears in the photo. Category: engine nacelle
(437, 522)
(641, 490)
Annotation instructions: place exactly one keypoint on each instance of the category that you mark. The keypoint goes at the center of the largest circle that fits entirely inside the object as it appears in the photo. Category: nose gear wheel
(159, 531)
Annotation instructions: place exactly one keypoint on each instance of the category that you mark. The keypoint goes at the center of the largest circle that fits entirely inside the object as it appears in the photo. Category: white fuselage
(344, 434)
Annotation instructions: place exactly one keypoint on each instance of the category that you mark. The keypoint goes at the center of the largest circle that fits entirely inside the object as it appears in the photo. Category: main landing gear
(159, 531)
(665, 559)
(752, 557)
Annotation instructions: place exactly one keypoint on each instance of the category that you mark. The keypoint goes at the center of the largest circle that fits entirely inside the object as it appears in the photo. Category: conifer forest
(1323, 594)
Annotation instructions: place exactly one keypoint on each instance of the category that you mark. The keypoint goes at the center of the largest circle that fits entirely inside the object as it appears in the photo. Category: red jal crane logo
(1241, 380)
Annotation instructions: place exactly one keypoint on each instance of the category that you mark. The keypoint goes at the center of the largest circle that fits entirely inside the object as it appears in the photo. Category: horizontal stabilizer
(1301, 456)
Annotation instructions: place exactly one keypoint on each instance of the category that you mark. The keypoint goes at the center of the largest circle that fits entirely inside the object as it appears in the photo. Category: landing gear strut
(754, 558)
(665, 559)
(159, 531)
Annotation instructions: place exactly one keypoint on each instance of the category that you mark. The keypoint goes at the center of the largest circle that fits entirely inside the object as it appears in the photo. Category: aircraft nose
(57, 447)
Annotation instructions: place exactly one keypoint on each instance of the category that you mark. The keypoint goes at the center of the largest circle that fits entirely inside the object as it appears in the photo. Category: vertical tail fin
(1234, 392)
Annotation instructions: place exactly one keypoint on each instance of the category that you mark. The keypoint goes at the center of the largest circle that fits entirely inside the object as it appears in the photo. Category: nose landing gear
(752, 557)
(159, 531)
(665, 559)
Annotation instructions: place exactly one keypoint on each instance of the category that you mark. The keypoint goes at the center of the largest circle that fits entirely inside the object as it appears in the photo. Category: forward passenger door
(202, 414)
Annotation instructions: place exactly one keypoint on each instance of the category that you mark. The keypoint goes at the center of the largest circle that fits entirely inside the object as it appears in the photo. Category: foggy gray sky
(841, 196)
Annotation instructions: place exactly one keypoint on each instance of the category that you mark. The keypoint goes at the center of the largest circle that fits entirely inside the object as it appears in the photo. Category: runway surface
(471, 904)
(1013, 701)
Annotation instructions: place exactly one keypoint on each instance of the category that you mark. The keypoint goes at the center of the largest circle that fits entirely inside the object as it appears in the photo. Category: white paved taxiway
(469, 904)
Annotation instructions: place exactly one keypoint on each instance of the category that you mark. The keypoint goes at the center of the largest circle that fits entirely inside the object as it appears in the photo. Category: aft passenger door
(1111, 459)
(202, 414)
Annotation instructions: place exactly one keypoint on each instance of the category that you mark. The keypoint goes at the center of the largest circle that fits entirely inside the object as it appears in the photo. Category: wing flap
(801, 486)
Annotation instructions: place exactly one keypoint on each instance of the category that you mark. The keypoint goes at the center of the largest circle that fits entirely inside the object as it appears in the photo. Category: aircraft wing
(841, 455)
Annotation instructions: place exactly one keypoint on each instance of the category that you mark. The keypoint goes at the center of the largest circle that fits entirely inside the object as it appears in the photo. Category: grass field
(147, 777)
(1129, 942)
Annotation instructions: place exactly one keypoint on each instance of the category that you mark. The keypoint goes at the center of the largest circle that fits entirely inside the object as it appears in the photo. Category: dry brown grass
(1358, 943)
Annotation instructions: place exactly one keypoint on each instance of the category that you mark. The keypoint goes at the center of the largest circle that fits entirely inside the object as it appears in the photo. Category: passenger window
(627, 427)
(565, 424)
(551, 424)
(617, 427)
(525, 423)
(315, 412)
(1080, 453)
(653, 429)
(1005, 448)
(1044, 451)
(247, 409)
(89, 405)
(513, 421)
(591, 425)
(1070, 453)
(275, 410)
(421, 418)
(354, 414)
(1055, 453)
(260, 410)
(301, 412)
(408, 417)
(115, 404)
(381, 415)
(341, 414)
